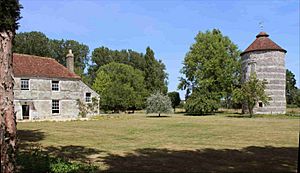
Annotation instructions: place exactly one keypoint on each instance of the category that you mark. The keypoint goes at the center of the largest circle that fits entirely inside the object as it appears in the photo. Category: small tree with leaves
(175, 99)
(158, 103)
(251, 92)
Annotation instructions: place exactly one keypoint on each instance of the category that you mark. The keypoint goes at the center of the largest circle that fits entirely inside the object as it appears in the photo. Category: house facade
(45, 89)
(267, 59)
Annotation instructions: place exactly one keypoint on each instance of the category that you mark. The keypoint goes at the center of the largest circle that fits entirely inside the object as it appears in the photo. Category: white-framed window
(55, 85)
(88, 98)
(55, 106)
(24, 84)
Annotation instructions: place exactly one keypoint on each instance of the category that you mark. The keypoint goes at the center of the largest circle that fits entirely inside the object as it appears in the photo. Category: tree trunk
(159, 114)
(8, 120)
(250, 111)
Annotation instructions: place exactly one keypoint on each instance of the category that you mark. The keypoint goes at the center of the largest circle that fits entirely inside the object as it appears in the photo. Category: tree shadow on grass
(240, 116)
(33, 157)
(249, 159)
(196, 114)
(156, 116)
(30, 135)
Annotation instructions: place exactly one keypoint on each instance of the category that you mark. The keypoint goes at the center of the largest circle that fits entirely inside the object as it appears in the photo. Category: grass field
(175, 143)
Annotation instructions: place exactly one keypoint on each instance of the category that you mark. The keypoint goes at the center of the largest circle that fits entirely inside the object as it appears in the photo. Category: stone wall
(269, 65)
(40, 95)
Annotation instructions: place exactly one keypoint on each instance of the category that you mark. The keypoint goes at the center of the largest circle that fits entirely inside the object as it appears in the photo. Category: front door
(25, 112)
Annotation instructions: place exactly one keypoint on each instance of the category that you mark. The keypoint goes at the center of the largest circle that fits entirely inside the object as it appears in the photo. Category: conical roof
(262, 42)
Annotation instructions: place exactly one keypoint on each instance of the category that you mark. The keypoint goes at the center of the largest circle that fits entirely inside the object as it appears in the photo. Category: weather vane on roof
(261, 25)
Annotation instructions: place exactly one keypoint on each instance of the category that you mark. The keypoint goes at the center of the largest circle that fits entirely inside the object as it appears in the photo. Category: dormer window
(55, 85)
(24, 84)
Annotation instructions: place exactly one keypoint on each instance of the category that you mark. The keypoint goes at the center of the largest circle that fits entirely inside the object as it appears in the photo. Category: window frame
(55, 109)
(58, 85)
(88, 99)
(28, 85)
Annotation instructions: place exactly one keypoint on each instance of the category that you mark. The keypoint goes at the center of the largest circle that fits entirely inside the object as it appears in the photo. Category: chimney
(70, 61)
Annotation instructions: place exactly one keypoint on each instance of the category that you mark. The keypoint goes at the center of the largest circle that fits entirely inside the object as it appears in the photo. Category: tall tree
(37, 43)
(32, 43)
(155, 75)
(121, 87)
(9, 15)
(175, 99)
(153, 70)
(211, 69)
(291, 89)
(103, 55)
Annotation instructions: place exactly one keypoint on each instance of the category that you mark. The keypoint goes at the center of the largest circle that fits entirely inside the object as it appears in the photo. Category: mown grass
(221, 142)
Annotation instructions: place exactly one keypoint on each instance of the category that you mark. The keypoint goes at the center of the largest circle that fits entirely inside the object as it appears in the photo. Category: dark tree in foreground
(9, 15)
(158, 103)
(175, 99)
(251, 92)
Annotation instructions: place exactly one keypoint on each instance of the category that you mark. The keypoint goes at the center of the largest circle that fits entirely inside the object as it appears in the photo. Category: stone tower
(267, 60)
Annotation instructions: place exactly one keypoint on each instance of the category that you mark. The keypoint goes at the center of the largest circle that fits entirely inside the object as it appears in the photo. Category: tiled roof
(262, 42)
(36, 66)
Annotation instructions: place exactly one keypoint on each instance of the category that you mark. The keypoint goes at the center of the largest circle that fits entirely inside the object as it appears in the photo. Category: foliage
(37, 43)
(36, 161)
(291, 89)
(154, 73)
(158, 103)
(251, 92)
(201, 102)
(9, 15)
(121, 87)
(297, 99)
(153, 70)
(175, 99)
(89, 108)
(211, 67)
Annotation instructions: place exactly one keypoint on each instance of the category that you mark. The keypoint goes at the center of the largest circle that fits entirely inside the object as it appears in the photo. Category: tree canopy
(175, 99)
(152, 69)
(37, 43)
(158, 103)
(211, 71)
(251, 92)
(291, 89)
(155, 77)
(121, 87)
(9, 15)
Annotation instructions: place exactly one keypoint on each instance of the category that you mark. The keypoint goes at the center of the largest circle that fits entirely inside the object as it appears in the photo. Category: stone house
(267, 60)
(45, 89)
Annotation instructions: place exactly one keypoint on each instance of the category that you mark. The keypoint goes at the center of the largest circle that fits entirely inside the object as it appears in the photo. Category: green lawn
(175, 143)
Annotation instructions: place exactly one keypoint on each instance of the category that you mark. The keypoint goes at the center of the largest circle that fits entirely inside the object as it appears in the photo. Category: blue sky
(168, 27)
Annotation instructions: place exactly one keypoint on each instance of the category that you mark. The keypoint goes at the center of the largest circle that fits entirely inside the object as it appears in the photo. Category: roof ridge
(50, 60)
(36, 56)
